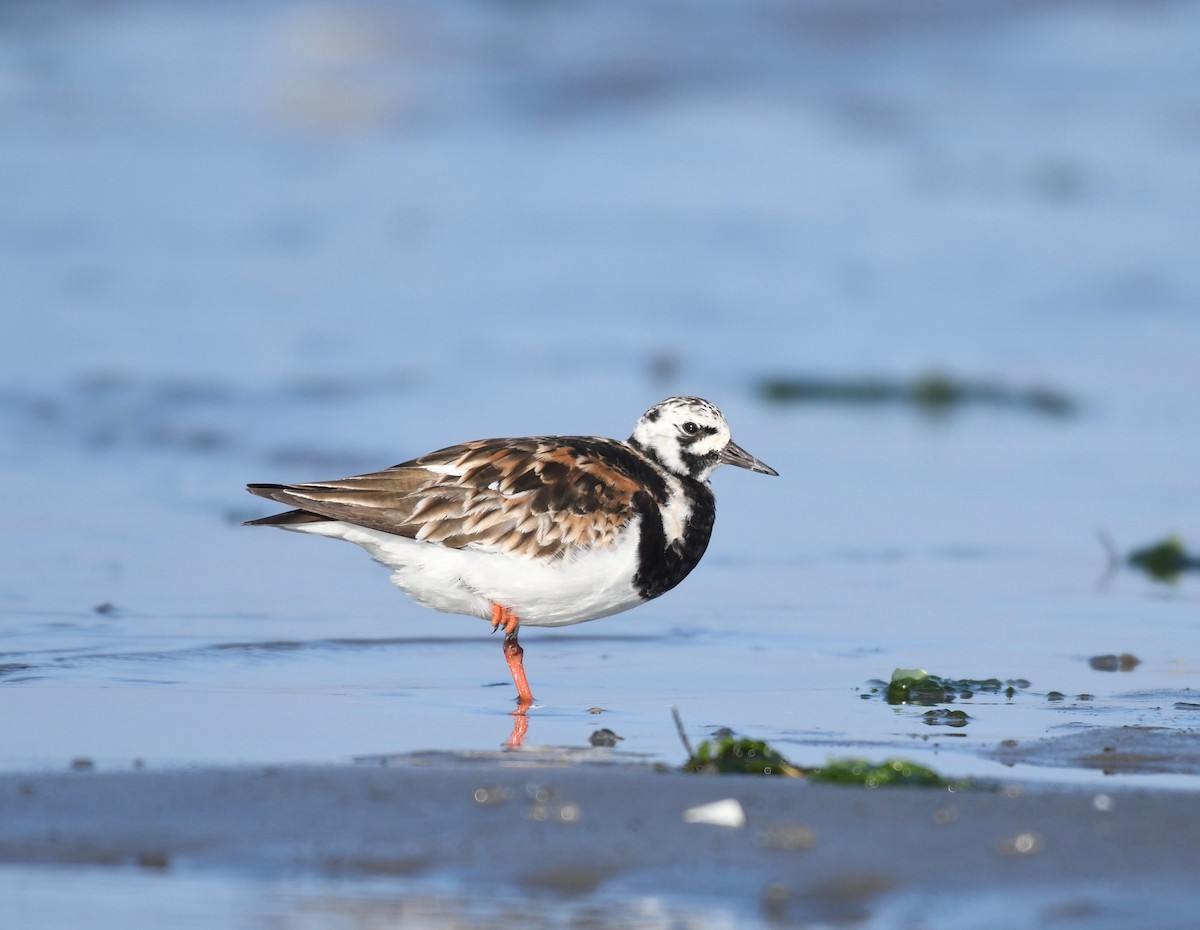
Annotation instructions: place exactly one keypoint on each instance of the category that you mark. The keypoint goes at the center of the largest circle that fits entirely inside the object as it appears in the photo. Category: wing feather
(540, 497)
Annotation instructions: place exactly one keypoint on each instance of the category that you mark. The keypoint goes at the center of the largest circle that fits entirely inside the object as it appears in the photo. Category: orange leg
(503, 616)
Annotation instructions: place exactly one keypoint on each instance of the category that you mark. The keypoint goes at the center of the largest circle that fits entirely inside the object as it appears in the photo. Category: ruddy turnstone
(541, 531)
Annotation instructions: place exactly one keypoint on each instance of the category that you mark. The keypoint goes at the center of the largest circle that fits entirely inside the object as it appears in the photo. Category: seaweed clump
(889, 772)
(1165, 560)
(933, 393)
(917, 686)
(727, 754)
(739, 756)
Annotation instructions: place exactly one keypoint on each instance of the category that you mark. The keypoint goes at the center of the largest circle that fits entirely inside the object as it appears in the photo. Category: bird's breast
(674, 536)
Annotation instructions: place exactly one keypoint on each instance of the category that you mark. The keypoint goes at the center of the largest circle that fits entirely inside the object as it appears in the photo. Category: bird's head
(689, 436)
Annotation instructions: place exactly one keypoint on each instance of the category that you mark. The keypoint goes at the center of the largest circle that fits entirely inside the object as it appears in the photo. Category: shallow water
(279, 242)
(230, 644)
(251, 313)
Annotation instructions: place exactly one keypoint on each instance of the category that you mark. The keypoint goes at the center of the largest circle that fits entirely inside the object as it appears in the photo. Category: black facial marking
(652, 414)
(697, 464)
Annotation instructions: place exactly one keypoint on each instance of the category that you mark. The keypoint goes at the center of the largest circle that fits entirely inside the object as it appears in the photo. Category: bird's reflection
(520, 727)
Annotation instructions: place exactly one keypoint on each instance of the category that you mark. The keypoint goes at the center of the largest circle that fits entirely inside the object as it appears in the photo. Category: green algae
(933, 392)
(732, 756)
(740, 756)
(890, 772)
(917, 686)
(1165, 560)
(729, 755)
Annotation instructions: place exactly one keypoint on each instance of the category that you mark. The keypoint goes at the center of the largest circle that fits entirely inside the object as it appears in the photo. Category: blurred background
(939, 263)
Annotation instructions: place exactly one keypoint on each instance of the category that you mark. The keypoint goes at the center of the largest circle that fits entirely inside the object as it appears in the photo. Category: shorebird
(537, 531)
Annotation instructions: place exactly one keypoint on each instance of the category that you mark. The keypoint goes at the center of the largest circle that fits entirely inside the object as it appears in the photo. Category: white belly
(596, 583)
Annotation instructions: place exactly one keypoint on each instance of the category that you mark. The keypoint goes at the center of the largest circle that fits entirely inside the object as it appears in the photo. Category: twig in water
(1114, 556)
(687, 744)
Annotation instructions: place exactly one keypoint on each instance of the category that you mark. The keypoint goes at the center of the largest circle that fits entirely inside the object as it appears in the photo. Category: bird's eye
(690, 428)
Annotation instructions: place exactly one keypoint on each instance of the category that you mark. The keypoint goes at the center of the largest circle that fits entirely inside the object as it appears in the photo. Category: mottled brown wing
(540, 496)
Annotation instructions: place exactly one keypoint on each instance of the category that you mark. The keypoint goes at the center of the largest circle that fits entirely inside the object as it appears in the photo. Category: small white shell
(725, 813)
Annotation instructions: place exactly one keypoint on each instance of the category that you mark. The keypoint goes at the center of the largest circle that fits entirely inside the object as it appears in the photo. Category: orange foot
(514, 654)
(504, 617)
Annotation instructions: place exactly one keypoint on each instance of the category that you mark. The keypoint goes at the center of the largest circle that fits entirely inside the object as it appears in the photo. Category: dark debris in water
(1165, 560)
(933, 392)
(916, 686)
(1125, 662)
(604, 737)
(941, 717)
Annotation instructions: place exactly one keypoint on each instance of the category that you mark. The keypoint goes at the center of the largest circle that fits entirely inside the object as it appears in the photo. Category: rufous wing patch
(539, 497)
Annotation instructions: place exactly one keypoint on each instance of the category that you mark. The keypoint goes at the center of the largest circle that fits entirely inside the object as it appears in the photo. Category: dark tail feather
(289, 518)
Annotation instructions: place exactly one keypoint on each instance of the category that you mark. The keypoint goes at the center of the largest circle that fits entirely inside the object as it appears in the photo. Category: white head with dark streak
(688, 436)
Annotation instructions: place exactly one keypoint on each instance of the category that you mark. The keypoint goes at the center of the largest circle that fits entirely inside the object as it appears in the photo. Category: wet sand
(1133, 750)
(525, 825)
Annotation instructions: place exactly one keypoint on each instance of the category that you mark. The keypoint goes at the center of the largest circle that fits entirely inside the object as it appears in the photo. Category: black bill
(733, 454)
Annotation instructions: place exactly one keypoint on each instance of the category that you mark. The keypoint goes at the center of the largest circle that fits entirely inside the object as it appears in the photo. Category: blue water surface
(272, 242)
